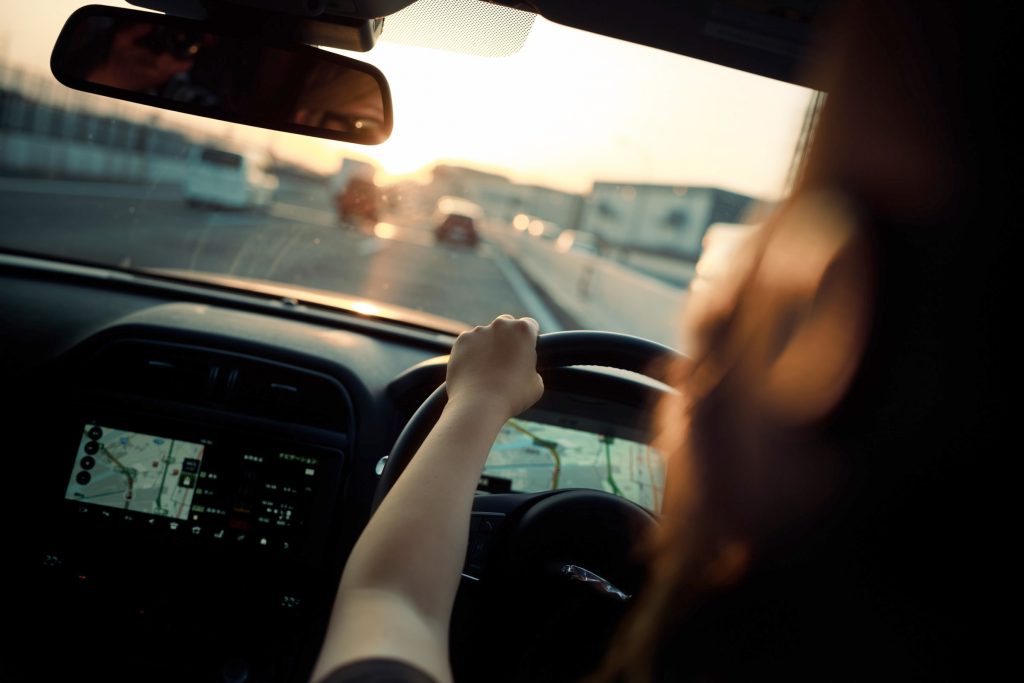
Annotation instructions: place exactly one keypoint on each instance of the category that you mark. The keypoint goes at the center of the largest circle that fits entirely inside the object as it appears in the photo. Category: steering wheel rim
(552, 535)
(554, 349)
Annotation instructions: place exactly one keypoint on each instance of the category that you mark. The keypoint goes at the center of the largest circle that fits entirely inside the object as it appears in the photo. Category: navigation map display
(532, 456)
(135, 472)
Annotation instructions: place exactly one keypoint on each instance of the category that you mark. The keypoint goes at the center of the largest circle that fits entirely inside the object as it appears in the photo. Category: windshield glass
(573, 181)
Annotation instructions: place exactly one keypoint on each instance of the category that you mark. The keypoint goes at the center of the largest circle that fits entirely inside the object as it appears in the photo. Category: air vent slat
(231, 382)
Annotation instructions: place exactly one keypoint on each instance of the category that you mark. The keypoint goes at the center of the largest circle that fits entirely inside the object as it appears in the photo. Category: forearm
(423, 523)
(398, 588)
(399, 585)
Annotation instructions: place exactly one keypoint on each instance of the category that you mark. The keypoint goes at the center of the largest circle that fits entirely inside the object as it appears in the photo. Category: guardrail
(30, 154)
(596, 292)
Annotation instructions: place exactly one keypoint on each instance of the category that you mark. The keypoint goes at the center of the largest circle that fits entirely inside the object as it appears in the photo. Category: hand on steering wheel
(569, 550)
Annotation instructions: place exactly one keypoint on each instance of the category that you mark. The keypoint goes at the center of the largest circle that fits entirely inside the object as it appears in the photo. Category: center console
(193, 507)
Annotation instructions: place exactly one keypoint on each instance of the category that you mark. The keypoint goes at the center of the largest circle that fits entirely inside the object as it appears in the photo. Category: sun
(407, 159)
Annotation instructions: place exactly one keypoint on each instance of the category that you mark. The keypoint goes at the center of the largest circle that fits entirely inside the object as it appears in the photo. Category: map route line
(100, 495)
(163, 479)
(607, 441)
(550, 446)
(124, 471)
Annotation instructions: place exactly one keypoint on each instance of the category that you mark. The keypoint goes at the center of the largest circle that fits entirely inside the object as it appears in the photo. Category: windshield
(573, 181)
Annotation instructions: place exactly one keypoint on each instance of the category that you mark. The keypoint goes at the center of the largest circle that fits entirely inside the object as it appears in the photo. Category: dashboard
(190, 466)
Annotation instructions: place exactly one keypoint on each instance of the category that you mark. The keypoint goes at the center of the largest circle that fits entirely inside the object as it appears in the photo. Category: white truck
(224, 179)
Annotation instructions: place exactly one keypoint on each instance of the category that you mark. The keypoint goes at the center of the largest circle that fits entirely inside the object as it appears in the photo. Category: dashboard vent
(153, 370)
(284, 393)
(208, 378)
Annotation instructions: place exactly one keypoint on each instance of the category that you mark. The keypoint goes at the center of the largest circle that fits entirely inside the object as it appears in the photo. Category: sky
(569, 109)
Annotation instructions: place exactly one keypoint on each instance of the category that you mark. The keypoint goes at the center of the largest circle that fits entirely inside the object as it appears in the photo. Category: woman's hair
(813, 495)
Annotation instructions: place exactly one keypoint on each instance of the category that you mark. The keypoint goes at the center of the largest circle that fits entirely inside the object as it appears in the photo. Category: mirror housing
(222, 72)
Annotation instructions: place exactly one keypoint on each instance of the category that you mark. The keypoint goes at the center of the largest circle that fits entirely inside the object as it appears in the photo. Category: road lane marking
(525, 292)
(293, 240)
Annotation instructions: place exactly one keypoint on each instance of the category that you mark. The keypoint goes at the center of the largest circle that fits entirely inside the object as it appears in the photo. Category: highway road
(143, 227)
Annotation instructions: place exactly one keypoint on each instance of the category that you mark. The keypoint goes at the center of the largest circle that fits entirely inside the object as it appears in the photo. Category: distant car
(456, 221)
(218, 177)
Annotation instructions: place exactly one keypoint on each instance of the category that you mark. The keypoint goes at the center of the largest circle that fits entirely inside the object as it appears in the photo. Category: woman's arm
(396, 594)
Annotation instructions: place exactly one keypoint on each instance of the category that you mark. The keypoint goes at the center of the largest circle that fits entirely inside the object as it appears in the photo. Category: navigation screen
(135, 472)
(531, 456)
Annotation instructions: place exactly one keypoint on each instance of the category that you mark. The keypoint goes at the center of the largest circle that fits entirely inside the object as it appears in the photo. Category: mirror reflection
(181, 65)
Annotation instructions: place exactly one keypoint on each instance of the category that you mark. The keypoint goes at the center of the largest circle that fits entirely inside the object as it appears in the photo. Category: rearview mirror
(221, 73)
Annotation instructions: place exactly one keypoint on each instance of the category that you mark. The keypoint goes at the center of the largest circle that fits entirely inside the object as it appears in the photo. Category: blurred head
(815, 445)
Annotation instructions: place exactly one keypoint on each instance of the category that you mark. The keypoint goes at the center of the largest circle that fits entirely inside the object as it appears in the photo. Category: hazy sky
(570, 108)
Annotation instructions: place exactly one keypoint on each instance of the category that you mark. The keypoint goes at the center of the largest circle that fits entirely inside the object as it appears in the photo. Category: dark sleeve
(378, 671)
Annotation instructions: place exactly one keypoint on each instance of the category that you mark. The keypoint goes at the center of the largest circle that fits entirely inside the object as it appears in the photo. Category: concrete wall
(31, 154)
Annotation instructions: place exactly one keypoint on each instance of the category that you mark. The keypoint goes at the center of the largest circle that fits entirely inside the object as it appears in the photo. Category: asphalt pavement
(139, 226)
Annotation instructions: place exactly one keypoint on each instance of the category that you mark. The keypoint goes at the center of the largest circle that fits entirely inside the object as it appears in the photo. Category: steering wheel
(554, 563)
